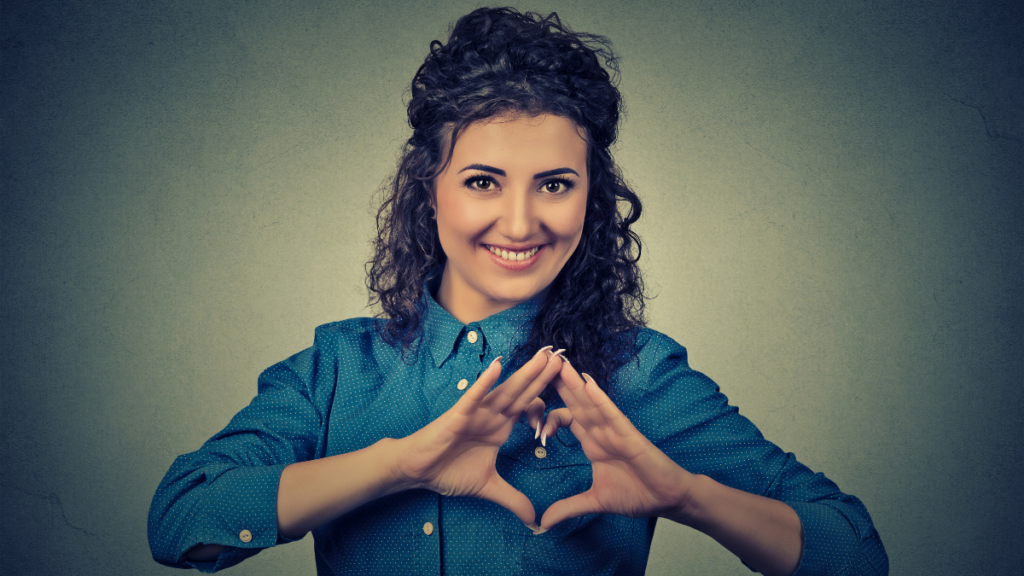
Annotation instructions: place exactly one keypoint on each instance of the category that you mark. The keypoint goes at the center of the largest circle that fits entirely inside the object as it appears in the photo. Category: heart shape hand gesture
(455, 455)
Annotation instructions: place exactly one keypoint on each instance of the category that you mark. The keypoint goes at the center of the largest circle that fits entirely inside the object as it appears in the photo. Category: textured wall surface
(833, 205)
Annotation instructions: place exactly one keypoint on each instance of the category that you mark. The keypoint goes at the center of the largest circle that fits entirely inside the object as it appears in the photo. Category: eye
(480, 183)
(557, 186)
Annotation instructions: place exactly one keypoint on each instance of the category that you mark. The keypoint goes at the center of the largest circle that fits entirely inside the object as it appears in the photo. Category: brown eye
(481, 183)
(557, 186)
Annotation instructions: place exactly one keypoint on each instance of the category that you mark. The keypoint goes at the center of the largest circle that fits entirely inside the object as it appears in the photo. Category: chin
(516, 294)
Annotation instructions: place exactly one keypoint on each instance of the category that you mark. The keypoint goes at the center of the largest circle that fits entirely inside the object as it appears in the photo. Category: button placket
(471, 353)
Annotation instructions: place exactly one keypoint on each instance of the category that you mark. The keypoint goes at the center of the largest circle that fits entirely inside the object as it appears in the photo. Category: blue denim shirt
(351, 389)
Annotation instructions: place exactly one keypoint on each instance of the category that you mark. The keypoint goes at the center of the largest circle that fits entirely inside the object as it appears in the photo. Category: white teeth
(513, 256)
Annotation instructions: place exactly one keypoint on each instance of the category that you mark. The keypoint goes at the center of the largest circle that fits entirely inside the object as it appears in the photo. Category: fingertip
(594, 391)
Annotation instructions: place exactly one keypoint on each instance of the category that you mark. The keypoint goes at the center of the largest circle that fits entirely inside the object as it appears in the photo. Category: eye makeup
(478, 181)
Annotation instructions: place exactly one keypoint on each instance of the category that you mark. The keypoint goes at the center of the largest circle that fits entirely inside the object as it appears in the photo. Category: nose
(520, 218)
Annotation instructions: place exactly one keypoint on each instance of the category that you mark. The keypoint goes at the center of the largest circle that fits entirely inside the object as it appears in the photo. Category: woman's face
(510, 209)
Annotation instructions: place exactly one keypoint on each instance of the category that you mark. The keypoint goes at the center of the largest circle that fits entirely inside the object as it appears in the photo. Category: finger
(570, 387)
(535, 415)
(510, 389)
(535, 387)
(611, 413)
(571, 507)
(502, 493)
(483, 383)
(559, 418)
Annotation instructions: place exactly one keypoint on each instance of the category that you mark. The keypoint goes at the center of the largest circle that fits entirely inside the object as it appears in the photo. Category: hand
(455, 454)
(631, 476)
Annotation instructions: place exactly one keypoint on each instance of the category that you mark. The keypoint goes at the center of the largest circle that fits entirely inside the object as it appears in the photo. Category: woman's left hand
(631, 476)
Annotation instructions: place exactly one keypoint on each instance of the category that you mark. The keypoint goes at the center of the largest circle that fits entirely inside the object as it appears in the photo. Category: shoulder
(654, 353)
(653, 346)
(350, 332)
(355, 338)
(660, 363)
(351, 328)
(661, 394)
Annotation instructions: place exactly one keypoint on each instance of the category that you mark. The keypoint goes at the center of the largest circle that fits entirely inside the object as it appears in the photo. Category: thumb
(502, 493)
(571, 507)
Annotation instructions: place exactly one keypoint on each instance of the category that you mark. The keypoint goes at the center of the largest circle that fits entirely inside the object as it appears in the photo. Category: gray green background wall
(832, 193)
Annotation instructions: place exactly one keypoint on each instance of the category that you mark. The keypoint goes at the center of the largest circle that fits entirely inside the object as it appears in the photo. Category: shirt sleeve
(683, 412)
(226, 492)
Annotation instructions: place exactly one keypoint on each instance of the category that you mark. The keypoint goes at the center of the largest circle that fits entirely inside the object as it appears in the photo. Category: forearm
(314, 492)
(764, 533)
(317, 491)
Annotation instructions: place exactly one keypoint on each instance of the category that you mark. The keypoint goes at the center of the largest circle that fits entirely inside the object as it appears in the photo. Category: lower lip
(515, 265)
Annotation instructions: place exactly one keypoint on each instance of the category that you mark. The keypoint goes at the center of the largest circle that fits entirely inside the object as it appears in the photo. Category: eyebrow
(500, 172)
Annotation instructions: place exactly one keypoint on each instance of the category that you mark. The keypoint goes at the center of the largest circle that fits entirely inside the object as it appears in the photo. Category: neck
(466, 308)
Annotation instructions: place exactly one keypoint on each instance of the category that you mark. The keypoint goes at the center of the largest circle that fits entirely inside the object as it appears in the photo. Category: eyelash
(477, 178)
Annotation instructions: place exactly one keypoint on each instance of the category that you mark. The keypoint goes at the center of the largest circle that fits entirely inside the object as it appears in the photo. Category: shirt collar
(441, 330)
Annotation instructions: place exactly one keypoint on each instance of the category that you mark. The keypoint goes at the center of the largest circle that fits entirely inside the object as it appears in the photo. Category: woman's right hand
(455, 454)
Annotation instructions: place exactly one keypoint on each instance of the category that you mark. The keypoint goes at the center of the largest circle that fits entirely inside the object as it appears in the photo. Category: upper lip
(514, 248)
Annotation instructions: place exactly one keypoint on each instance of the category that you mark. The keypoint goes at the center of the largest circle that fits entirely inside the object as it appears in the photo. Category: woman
(450, 436)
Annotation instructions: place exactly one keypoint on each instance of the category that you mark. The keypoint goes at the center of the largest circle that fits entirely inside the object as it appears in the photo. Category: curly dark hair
(497, 62)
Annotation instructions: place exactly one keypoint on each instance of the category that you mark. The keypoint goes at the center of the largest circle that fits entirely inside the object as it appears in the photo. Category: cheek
(459, 220)
(569, 224)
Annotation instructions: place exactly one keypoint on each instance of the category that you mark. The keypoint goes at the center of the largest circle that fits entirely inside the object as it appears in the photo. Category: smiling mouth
(512, 256)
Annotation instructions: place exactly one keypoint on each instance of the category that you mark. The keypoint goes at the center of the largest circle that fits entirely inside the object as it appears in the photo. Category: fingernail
(496, 360)
(588, 377)
(544, 439)
(546, 350)
(538, 431)
(558, 352)
(539, 531)
(533, 527)
(564, 359)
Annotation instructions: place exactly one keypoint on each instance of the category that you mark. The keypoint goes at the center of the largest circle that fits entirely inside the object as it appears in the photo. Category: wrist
(394, 452)
(688, 509)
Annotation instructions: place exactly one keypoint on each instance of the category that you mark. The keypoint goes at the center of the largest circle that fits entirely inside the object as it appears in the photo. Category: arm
(764, 533)
(313, 492)
(218, 505)
(632, 477)
(784, 517)
(454, 455)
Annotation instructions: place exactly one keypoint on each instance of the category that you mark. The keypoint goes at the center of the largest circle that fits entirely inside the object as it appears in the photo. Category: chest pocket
(545, 474)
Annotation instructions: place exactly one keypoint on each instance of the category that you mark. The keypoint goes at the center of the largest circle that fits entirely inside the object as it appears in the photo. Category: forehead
(525, 140)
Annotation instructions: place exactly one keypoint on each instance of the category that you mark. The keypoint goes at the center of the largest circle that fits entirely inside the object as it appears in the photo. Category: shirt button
(540, 452)
(462, 384)
(245, 536)
(472, 337)
(428, 528)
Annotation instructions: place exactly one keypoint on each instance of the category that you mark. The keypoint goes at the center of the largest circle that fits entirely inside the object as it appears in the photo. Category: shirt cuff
(829, 541)
(240, 511)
